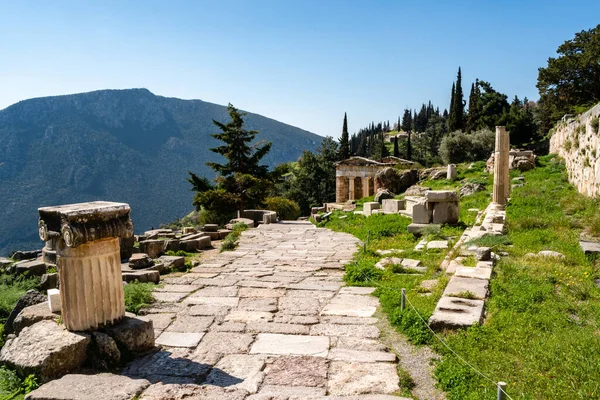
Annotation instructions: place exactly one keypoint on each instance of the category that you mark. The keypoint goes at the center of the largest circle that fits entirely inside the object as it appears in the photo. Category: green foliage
(14, 388)
(460, 147)
(568, 145)
(570, 81)
(344, 141)
(457, 108)
(218, 206)
(231, 240)
(138, 295)
(12, 288)
(180, 253)
(286, 209)
(549, 307)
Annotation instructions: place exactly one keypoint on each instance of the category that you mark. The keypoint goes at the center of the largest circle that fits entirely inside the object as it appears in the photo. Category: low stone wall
(260, 216)
(578, 143)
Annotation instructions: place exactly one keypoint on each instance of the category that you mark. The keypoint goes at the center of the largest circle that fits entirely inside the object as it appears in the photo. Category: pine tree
(344, 145)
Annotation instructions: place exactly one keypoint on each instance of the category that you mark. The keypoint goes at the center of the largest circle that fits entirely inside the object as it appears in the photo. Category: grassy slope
(542, 331)
(541, 334)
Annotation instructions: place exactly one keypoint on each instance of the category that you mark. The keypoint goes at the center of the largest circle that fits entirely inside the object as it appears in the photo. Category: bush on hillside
(286, 209)
(460, 147)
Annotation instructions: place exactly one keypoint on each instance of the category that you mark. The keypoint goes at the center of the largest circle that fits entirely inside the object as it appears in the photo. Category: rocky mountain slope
(118, 145)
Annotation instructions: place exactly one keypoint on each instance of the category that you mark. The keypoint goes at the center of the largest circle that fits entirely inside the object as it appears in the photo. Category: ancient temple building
(355, 177)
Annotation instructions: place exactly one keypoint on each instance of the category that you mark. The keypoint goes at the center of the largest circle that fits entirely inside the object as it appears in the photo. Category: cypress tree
(408, 148)
(396, 150)
(407, 121)
(344, 145)
(458, 108)
(473, 115)
(451, 119)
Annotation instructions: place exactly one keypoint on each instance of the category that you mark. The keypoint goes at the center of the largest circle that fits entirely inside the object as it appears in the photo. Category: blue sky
(304, 62)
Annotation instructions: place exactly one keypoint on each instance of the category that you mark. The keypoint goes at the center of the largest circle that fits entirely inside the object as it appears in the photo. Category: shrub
(594, 122)
(568, 145)
(461, 147)
(285, 208)
(230, 241)
(138, 295)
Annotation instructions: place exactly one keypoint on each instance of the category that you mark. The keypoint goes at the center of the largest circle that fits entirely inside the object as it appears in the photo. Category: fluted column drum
(91, 285)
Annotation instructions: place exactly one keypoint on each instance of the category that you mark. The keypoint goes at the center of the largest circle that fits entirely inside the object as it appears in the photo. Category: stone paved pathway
(270, 320)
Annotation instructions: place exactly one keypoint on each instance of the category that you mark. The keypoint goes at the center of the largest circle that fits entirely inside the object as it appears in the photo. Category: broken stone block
(451, 173)
(49, 281)
(210, 228)
(140, 260)
(172, 245)
(45, 349)
(103, 352)
(445, 213)
(392, 206)
(32, 315)
(154, 248)
(368, 207)
(30, 298)
(441, 196)
(204, 242)
(189, 246)
(420, 213)
(551, 254)
(416, 229)
(172, 261)
(475, 273)
(31, 268)
(483, 254)
(141, 276)
(437, 244)
(353, 378)
(133, 335)
(297, 371)
(89, 387)
(590, 247)
(54, 300)
(454, 312)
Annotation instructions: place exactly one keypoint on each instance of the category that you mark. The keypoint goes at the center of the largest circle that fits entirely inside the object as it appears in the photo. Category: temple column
(374, 185)
(88, 260)
(501, 167)
(341, 189)
(365, 187)
(351, 188)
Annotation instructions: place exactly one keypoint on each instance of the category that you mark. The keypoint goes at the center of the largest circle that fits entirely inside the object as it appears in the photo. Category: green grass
(138, 295)
(541, 334)
(231, 240)
(12, 288)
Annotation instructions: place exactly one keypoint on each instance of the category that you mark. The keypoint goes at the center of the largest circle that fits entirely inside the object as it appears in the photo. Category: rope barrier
(500, 389)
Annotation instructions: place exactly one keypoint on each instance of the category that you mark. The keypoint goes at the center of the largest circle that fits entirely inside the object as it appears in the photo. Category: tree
(474, 111)
(408, 148)
(407, 120)
(520, 122)
(457, 106)
(241, 181)
(493, 107)
(344, 144)
(451, 119)
(396, 149)
(571, 81)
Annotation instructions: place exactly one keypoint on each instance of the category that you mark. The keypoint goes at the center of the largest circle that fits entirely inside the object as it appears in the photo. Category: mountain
(117, 145)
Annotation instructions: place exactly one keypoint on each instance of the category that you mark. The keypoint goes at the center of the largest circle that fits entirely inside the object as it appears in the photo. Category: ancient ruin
(501, 167)
(355, 177)
(86, 239)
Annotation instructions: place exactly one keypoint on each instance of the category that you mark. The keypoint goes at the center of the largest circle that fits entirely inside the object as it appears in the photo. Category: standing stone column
(365, 187)
(501, 167)
(341, 189)
(88, 260)
(351, 188)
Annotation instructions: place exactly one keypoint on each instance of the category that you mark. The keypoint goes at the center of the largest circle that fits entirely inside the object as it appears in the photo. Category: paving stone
(161, 321)
(368, 331)
(217, 291)
(177, 288)
(190, 323)
(229, 327)
(360, 344)
(168, 297)
(172, 362)
(260, 292)
(179, 339)
(268, 304)
(161, 391)
(352, 378)
(225, 343)
(240, 371)
(272, 343)
(216, 282)
(207, 310)
(477, 287)
(349, 310)
(213, 301)
(268, 392)
(249, 316)
(356, 290)
(338, 354)
(295, 319)
(344, 320)
(90, 387)
(160, 308)
(270, 327)
(260, 284)
(437, 244)
(327, 286)
(297, 371)
(299, 305)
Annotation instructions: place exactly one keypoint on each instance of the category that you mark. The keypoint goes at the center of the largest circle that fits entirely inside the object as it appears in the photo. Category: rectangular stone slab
(273, 343)
(454, 312)
(477, 287)
(475, 273)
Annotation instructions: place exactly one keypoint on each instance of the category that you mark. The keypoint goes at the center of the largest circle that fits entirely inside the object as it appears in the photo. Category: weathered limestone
(368, 207)
(501, 167)
(454, 312)
(452, 173)
(89, 261)
(392, 206)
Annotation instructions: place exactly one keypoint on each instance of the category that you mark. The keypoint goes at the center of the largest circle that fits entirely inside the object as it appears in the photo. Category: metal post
(403, 300)
(501, 390)
(367, 241)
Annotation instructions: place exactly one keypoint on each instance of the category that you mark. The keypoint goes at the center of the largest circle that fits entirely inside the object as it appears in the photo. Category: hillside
(118, 145)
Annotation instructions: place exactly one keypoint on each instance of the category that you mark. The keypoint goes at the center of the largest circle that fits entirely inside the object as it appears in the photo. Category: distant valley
(119, 145)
